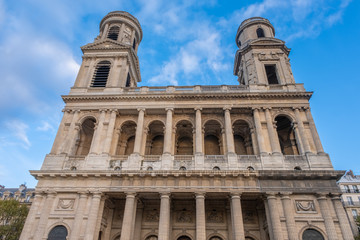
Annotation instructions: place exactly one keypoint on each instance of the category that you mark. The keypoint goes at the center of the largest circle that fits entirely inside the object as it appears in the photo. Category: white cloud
(18, 129)
(45, 127)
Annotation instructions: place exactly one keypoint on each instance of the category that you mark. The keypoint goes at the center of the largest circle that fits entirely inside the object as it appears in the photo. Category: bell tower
(261, 59)
(111, 61)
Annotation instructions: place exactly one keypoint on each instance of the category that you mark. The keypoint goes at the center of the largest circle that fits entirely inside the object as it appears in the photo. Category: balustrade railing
(152, 157)
(183, 157)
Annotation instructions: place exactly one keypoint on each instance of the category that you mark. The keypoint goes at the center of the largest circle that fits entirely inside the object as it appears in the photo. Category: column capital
(198, 108)
(141, 109)
(169, 109)
(102, 110)
(336, 197)
(200, 195)
(256, 109)
(267, 109)
(114, 110)
(130, 194)
(271, 195)
(296, 108)
(285, 195)
(235, 195)
(165, 194)
(227, 108)
(321, 196)
(83, 194)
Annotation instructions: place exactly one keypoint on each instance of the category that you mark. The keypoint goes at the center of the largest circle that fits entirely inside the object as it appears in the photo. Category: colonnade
(261, 117)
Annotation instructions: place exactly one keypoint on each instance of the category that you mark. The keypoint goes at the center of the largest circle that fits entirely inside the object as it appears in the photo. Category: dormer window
(260, 33)
(114, 33)
(271, 74)
(101, 74)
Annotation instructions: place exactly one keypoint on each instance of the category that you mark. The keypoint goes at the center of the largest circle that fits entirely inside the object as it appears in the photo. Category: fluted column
(328, 220)
(314, 133)
(164, 221)
(127, 223)
(71, 134)
(95, 144)
(75, 233)
(92, 217)
(44, 217)
(168, 131)
(259, 133)
(302, 131)
(198, 132)
(110, 131)
(274, 216)
(343, 220)
(200, 216)
(229, 132)
(29, 224)
(139, 130)
(289, 216)
(274, 139)
(237, 218)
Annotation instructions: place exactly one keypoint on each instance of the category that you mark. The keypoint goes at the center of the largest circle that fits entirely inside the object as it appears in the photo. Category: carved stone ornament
(215, 217)
(305, 206)
(184, 217)
(249, 217)
(66, 203)
(152, 216)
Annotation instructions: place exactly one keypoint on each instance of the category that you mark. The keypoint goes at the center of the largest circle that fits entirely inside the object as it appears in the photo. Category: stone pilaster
(110, 132)
(328, 220)
(259, 134)
(139, 130)
(237, 218)
(127, 224)
(164, 221)
(168, 131)
(274, 139)
(198, 132)
(274, 216)
(29, 224)
(95, 144)
(71, 134)
(254, 142)
(78, 220)
(343, 220)
(289, 216)
(93, 216)
(303, 136)
(44, 217)
(314, 133)
(229, 132)
(200, 216)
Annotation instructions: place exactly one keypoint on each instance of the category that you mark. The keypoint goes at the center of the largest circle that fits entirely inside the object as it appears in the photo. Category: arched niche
(286, 134)
(155, 138)
(242, 138)
(126, 140)
(85, 136)
(184, 138)
(213, 138)
(184, 237)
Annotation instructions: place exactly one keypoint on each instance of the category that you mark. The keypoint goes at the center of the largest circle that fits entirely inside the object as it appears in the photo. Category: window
(349, 200)
(354, 213)
(58, 233)
(128, 81)
(312, 234)
(113, 33)
(355, 188)
(101, 74)
(271, 74)
(347, 189)
(134, 44)
(260, 33)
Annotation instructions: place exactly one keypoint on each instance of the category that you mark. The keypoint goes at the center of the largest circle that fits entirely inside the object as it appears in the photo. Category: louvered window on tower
(101, 74)
(114, 33)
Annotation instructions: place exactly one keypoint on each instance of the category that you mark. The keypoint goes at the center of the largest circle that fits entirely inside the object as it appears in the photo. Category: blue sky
(184, 43)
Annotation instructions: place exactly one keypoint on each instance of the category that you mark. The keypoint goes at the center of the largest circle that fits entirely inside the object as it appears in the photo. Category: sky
(184, 43)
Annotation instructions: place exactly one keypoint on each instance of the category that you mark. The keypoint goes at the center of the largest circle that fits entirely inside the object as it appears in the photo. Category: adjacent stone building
(229, 162)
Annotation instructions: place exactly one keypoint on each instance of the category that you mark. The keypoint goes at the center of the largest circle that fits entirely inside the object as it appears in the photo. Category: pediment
(105, 44)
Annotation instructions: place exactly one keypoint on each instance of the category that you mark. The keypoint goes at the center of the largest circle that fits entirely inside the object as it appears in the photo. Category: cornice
(181, 96)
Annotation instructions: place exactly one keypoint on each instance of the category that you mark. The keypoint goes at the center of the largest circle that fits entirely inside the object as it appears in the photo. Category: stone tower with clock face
(229, 162)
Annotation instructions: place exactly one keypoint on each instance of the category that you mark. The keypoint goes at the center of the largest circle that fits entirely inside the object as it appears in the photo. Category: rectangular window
(354, 213)
(271, 74)
(347, 189)
(349, 200)
(355, 188)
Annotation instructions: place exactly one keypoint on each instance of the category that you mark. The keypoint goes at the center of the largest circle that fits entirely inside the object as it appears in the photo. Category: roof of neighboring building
(349, 177)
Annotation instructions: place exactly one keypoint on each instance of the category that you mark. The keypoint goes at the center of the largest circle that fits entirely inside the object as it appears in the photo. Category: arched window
(114, 33)
(260, 33)
(286, 136)
(216, 238)
(58, 233)
(101, 74)
(242, 138)
(312, 234)
(184, 138)
(212, 138)
(126, 141)
(184, 238)
(216, 168)
(85, 137)
(155, 139)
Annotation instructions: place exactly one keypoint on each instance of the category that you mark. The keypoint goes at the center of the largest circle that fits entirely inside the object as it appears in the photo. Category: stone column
(60, 136)
(71, 134)
(95, 144)
(164, 222)
(229, 132)
(92, 217)
(115, 143)
(289, 216)
(168, 131)
(139, 130)
(254, 142)
(343, 220)
(200, 216)
(274, 139)
(328, 220)
(300, 145)
(259, 134)
(110, 132)
(79, 215)
(315, 135)
(127, 226)
(44, 217)
(274, 216)
(29, 224)
(237, 218)
(198, 132)
(303, 137)
(105, 31)
(86, 81)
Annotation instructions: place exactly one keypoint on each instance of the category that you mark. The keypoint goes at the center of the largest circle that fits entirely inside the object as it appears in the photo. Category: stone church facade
(229, 162)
